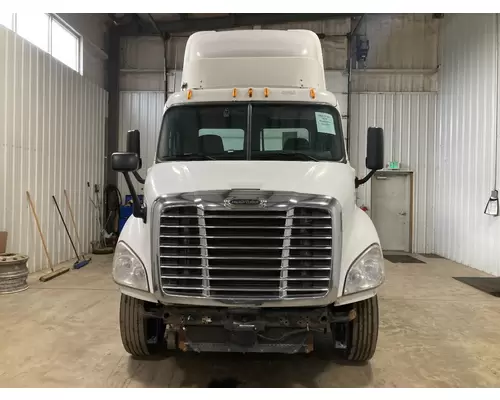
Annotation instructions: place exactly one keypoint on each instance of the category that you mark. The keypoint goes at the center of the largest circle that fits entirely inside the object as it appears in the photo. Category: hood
(322, 178)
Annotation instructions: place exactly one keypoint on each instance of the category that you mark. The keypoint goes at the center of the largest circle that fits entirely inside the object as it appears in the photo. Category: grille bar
(242, 268)
(245, 253)
(249, 257)
(253, 278)
(246, 247)
(242, 237)
(240, 227)
(244, 217)
(241, 289)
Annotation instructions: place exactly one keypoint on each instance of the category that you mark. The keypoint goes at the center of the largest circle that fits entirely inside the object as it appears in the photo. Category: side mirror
(374, 154)
(375, 149)
(134, 144)
(125, 162)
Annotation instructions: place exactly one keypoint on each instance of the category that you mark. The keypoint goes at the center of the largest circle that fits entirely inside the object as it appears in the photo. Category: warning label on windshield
(324, 123)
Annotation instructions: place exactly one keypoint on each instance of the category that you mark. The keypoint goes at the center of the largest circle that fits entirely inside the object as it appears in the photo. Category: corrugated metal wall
(52, 135)
(466, 142)
(409, 122)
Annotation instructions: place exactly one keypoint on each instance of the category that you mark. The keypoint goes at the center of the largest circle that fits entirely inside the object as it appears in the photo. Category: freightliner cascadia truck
(249, 238)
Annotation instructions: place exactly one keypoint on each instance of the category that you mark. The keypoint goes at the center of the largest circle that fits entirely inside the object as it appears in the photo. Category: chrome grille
(249, 254)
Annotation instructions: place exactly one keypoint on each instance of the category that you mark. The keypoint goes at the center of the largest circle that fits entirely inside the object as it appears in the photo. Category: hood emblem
(235, 202)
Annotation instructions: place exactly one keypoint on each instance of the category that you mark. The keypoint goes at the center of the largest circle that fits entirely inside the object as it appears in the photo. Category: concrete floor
(435, 332)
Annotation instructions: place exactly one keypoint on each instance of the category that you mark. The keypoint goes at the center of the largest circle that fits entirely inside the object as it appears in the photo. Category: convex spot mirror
(125, 162)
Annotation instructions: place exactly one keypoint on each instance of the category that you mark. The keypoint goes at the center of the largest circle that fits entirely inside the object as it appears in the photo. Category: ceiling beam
(227, 22)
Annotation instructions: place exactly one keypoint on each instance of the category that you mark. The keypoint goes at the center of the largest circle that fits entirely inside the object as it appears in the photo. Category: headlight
(367, 272)
(128, 269)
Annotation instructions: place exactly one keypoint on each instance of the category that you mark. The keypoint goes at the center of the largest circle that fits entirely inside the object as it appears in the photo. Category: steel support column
(113, 103)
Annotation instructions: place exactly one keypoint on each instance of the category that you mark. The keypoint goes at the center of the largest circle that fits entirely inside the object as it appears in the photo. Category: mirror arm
(138, 210)
(139, 178)
(359, 182)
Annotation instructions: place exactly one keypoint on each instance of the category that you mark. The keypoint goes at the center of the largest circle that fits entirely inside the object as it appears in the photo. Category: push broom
(78, 263)
(54, 273)
(68, 204)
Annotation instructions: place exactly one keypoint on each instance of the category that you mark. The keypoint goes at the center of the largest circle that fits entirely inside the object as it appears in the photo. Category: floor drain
(224, 383)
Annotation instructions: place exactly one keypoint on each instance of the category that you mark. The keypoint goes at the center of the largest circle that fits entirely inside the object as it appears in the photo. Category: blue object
(125, 211)
(128, 198)
(80, 264)
(121, 224)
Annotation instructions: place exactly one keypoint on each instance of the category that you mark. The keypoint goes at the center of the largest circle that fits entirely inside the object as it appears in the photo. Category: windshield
(294, 132)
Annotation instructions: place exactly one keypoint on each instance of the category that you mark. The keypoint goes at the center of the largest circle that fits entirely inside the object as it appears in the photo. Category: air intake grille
(251, 254)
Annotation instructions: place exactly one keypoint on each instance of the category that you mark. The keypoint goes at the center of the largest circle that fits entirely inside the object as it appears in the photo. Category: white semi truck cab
(249, 238)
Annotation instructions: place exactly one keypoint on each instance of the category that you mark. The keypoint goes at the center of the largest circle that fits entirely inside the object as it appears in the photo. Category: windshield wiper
(189, 156)
(302, 156)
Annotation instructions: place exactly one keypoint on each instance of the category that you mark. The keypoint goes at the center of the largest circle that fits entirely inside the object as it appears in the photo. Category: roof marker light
(189, 94)
(266, 92)
(235, 92)
(312, 93)
(250, 92)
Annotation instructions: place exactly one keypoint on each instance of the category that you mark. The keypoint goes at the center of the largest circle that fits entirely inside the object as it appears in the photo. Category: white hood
(323, 178)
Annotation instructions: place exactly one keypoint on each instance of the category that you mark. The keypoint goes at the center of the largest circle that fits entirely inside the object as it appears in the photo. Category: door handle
(381, 177)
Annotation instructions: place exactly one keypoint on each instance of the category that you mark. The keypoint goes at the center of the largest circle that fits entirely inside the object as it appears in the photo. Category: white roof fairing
(254, 58)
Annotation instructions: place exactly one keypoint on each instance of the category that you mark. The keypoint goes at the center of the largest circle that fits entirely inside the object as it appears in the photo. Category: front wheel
(141, 336)
(362, 332)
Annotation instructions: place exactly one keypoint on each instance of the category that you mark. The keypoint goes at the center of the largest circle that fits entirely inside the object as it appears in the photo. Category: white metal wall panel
(465, 148)
(52, 135)
(409, 122)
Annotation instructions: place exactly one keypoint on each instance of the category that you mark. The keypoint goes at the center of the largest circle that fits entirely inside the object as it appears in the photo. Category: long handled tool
(54, 273)
(78, 263)
(74, 223)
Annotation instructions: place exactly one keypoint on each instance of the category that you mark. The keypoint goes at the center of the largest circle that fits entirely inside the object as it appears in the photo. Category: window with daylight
(34, 28)
(6, 19)
(48, 33)
(64, 45)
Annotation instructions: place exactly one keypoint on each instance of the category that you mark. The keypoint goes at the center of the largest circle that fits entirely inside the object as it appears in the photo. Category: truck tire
(363, 331)
(141, 336)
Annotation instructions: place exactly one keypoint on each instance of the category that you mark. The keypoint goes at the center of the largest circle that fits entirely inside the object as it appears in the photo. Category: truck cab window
(203, 132)
(287, 132)
(311, 130)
